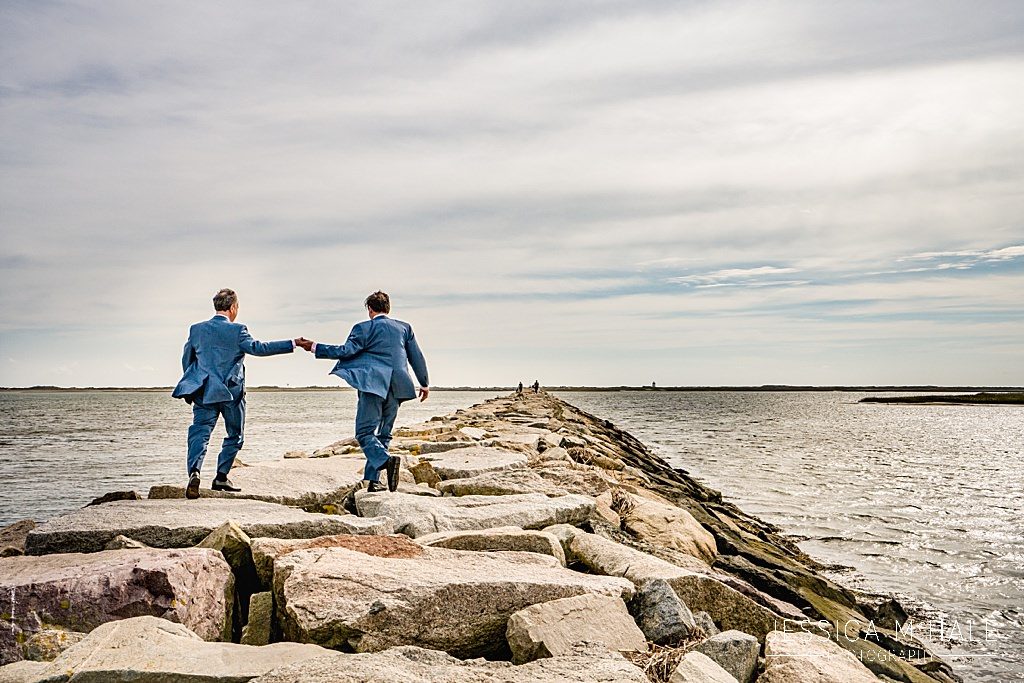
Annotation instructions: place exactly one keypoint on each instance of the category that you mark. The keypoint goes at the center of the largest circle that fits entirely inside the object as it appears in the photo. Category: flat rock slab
(501, 483)
(418, 515)
(461, 463)
(452, 600)
(309, 483)
(503, 539)
(265, 551)
(415, 665)
(150, 649)
(182, 523)
(192, 586)
(550, 629)
(807, 658)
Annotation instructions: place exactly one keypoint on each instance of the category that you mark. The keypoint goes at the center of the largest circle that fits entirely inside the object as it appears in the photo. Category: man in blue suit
(375, 361)
(214, 383)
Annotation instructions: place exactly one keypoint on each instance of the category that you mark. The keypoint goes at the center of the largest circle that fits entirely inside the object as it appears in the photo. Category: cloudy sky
(581, 192)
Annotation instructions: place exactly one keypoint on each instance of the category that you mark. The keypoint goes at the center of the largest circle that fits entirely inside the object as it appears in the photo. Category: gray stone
(462, 463)
(734, 651)
(509, 538)
(799, 657)
(574, 478)
(417, 515)
(309, 483)
(22, 672)
(415, 665)
(705, 623)
(261, 619)
(502, 483)
(662, 616)
(45, 645)
(182, 523)
(452, 600)
(12, 537)
(550, 629)
(148, 649)
(81, 591)
(695, 667)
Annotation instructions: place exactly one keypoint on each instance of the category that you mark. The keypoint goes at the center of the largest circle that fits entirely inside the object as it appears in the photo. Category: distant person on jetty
(536, 386)
(520, 389)
(214, 383)
(375, 361)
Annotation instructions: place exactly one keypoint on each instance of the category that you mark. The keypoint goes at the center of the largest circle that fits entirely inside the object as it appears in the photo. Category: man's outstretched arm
(353, 346)
(257, 348)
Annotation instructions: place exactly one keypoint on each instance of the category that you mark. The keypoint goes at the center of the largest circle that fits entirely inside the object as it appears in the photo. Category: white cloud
(503, 169)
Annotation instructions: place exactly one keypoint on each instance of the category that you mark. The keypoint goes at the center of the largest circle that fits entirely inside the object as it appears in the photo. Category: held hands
(424, 392)
(304, 343)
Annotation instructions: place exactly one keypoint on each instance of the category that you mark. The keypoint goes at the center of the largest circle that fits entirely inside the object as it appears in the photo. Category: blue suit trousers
(204, 419)
(375, 418)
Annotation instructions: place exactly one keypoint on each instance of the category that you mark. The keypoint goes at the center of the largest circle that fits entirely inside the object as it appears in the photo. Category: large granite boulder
(501, 483)
(550, 629)
(81, 591)
(695, 667)
(734, 651)
(151, 650)
(415, 665)
(498, 539)
(24, 671)
(181, 523)
(309, 483)
(418, 515)
(461, 463)
(265, 551)
(574, 478)
(452, 600)
(699, 591)
(807, 658)
(665, 525)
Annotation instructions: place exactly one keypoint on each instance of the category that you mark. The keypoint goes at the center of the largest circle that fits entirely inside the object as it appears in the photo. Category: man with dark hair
(375, 361)
(214, 383)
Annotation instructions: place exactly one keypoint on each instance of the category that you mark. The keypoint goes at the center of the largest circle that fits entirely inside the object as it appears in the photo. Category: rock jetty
(529, 541)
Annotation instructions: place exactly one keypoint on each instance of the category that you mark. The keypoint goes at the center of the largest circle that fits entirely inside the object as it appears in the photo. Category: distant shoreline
(984, 398)
(762, 388)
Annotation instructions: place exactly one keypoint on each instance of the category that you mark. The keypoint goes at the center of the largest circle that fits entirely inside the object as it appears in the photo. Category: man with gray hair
(214, 383)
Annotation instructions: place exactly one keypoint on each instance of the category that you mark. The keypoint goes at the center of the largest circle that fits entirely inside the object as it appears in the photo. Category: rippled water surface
(925, 501)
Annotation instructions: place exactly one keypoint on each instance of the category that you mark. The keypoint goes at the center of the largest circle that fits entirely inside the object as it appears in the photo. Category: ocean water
(922, 501)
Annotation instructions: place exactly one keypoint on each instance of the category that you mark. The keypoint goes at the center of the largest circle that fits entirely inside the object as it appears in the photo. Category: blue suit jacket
(377, 357)
(213, 356)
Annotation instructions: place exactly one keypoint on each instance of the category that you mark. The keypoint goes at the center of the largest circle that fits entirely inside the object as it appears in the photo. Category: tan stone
(807, 658)
(550, 629)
